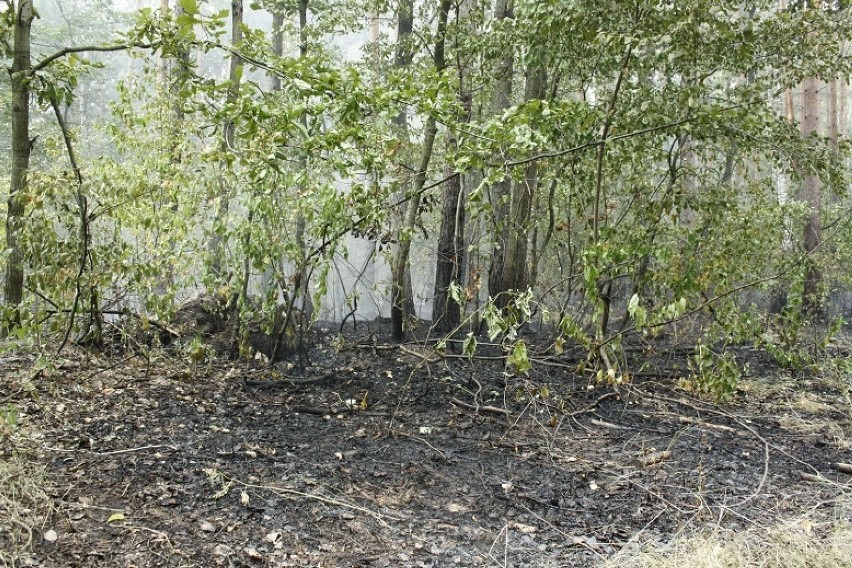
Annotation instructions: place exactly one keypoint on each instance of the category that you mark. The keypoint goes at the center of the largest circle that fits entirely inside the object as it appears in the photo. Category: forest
(426, 283)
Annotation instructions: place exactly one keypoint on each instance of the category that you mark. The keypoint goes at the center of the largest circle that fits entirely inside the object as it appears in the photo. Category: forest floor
(383, 457)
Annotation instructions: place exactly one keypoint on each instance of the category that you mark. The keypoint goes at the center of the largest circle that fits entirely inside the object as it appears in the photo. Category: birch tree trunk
(833, 106)
(21, 147)
(811, 195)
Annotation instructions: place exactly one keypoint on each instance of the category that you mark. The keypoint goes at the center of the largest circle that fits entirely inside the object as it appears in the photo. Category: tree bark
(277, 42)
(811, 195)
(501, 191)
(217, 242)
(21, 147)
(515, 269)
(301, 289)
(400, 262)
(833, 123)
(446, 312)
(403, 57)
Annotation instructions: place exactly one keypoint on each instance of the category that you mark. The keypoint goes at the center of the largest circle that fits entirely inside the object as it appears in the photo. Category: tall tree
(811, 195)
(446, 311)
(400, 262)
(517, 234)
(21, 147)
(450, 258)
(501, 190)
(235, 70)
(403, 57)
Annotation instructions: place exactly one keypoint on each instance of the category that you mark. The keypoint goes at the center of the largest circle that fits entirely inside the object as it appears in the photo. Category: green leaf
(469, 345)
(301, 85)
(519, 358)
(189, 6)
(455, 292)
(636, 311)
(115, 517)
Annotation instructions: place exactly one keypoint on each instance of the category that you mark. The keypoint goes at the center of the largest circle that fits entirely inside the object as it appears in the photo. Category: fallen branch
(609, 425)
(275, 383)
(431, 356)
(842, 467)
(811, 477)
(314, 496)
(112, 452)
(703, 424)
(317, 410)
(766, 446)
(480, 408)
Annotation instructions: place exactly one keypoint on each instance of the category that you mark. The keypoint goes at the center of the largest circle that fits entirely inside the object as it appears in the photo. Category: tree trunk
(833, 123)
(21, 147)
(515, 269)
(402, 59)
(301, 288)
(500, 191)
(446, 312)
(811, 195)
(400, 262)
(277, 42)
(217, 241)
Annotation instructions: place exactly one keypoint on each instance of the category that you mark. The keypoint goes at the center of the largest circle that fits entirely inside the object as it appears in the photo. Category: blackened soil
(384, 458)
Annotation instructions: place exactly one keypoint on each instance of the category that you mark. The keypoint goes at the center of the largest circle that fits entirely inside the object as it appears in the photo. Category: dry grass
(800, 544)
(810, 403)
(24, 508)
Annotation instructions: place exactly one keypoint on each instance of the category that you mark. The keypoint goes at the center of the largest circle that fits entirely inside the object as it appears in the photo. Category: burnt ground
(388, 459)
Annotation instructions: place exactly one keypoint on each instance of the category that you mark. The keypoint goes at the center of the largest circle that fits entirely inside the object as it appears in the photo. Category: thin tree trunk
(403, 57)
(811, 195)
(833, 122)
(301, 288)
(400, 262)
(272, 275)
(501, 191)
(21, 147)
(277, 42)
(217, 242)
(515, 269)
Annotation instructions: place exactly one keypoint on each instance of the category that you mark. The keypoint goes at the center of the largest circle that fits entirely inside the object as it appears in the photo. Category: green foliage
(673, 217)
(714, 373)
(519, 358)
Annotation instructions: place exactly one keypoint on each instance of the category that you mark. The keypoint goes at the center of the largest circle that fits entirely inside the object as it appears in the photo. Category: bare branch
(90, 48)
